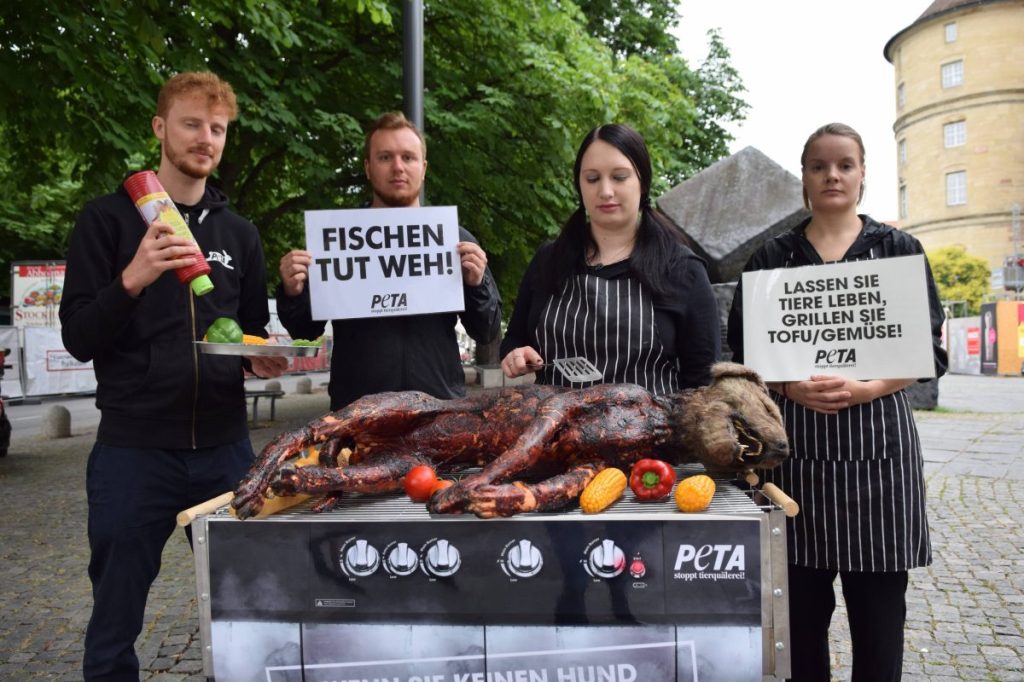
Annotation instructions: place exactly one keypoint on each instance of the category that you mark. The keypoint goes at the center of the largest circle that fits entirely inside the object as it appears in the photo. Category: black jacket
(686, 318)
(406, 353)
(877, 240)
(154, 388)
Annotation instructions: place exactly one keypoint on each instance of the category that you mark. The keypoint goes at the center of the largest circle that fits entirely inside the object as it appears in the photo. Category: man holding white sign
(840, 314)
(394, 330)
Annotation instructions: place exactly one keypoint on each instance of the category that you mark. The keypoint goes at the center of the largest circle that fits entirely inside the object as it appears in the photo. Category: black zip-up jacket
(402, 353)
(876, 240)
(154, 388)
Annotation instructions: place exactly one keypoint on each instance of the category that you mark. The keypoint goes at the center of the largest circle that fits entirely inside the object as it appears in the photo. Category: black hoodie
(154, 388)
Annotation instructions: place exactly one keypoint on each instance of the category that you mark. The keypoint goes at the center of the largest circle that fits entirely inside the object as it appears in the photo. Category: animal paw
(450, 500)
(289, 480)
(489, 501)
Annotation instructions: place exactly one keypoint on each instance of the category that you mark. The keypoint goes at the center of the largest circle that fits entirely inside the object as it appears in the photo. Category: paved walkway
(966, 612)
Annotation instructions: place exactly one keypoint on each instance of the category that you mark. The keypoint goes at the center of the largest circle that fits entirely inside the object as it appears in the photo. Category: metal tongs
(576, 370)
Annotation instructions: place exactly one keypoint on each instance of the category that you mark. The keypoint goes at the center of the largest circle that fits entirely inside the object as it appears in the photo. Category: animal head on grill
(734, 421)
(537, 446)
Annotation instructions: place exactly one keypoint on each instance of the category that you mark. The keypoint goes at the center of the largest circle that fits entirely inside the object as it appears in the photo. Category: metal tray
(256, 349)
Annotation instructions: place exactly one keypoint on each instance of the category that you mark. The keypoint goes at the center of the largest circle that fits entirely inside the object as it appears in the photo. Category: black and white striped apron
(611, 323)
(858, 477)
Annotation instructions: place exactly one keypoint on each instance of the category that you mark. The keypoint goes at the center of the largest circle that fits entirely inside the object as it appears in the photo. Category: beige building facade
(959, 129)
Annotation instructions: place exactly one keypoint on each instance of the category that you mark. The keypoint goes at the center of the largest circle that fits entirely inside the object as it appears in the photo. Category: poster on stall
(862, 320)
(36, 288)
(49, 369)
(989, 339)
(383, 262)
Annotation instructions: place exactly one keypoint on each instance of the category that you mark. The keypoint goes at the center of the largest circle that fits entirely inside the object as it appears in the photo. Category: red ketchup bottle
(154, 203)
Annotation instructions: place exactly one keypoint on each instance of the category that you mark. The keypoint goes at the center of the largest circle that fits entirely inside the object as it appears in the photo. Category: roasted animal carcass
(537, 446)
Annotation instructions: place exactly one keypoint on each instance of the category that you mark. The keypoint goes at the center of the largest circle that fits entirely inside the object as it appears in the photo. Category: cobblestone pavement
(965, 612)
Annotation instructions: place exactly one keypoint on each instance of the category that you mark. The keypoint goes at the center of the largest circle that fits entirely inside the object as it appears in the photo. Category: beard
(186, 166)
(401, 199)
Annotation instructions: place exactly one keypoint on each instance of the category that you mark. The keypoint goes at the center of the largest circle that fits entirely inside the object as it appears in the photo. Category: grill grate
(728, 500)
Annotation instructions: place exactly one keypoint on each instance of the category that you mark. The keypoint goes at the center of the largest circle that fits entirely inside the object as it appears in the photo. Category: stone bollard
(304, 386)
(56, 422)
(272, 385)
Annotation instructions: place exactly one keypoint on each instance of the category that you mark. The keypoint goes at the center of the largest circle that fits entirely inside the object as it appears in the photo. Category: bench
(256, 395)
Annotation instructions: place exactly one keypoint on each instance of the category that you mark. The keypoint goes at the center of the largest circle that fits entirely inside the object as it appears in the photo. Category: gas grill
(379, 589)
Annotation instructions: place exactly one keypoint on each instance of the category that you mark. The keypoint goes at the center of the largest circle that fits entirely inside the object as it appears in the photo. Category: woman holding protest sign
(617, 287)
(855, 466)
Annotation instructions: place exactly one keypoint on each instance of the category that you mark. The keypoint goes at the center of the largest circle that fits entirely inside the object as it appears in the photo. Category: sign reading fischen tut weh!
(862, 320)
(374, 262)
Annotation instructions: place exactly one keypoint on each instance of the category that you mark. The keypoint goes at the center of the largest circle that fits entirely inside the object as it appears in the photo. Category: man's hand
(294, 271)
(474, 262)
(159, 251)
(268, 366)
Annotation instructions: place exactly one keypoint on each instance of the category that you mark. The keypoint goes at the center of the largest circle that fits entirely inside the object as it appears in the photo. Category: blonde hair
(392, 120)
(842, 130)
(218, 92)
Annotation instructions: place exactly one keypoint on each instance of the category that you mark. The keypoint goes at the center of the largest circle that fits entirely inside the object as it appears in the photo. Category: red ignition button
(637, 569)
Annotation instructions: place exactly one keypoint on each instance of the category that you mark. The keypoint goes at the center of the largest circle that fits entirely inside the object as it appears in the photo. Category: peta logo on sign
(841, 357)
(388, 303)
(711, 558)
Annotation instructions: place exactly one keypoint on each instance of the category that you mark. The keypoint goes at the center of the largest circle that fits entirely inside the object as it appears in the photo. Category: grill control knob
(442, 559)
(361, 559)
(401, 560)
(524, 560)
(606, 560)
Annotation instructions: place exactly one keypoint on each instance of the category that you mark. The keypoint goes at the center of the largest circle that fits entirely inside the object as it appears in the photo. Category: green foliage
(511, 87)
(960, 276)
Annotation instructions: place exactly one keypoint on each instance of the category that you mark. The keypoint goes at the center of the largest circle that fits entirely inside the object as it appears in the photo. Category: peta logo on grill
(727, 558)
(388, 303)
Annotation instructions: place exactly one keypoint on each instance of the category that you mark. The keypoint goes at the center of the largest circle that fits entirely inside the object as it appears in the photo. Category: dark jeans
(134, 496)
(876, 607)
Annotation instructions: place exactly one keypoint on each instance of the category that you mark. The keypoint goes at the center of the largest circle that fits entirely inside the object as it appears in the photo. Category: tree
(511, 87)
(960, 276)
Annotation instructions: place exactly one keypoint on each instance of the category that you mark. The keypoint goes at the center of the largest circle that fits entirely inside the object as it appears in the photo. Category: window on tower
(954, 134)
(956, 188)
(953, 74)
(950, 29)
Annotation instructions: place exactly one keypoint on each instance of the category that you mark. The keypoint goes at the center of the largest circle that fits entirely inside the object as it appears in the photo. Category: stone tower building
(960, 124)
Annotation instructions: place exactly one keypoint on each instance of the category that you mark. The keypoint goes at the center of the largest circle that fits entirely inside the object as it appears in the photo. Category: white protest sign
(862, 320)
(372, 262)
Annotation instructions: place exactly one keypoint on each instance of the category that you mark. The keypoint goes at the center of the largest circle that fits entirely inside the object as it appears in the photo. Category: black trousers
(877, 610)
(134, 496)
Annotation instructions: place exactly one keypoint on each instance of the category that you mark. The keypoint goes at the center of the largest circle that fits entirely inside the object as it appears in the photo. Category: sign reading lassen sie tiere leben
(377, 262)
(862, 320)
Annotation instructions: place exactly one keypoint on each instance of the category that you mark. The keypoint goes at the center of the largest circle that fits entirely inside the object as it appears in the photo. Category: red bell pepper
(651, 479)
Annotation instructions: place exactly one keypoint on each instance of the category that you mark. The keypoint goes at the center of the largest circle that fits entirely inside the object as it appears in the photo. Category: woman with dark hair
(617, 286)
(855, 464)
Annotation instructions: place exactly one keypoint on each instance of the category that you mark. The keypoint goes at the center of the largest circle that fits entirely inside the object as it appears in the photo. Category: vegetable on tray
(694, 493)
(603, 490)
(224, 330)
(651, 479)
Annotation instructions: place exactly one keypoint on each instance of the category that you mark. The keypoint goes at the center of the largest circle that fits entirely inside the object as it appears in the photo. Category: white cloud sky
(806, 63)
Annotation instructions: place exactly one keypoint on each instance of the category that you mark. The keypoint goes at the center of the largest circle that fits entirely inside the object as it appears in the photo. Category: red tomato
(419, 482)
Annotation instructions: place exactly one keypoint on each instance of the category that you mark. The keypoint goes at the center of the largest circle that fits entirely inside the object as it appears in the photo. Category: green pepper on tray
(224, 330)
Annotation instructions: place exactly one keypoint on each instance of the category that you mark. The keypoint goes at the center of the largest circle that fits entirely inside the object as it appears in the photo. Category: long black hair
(655, 235)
